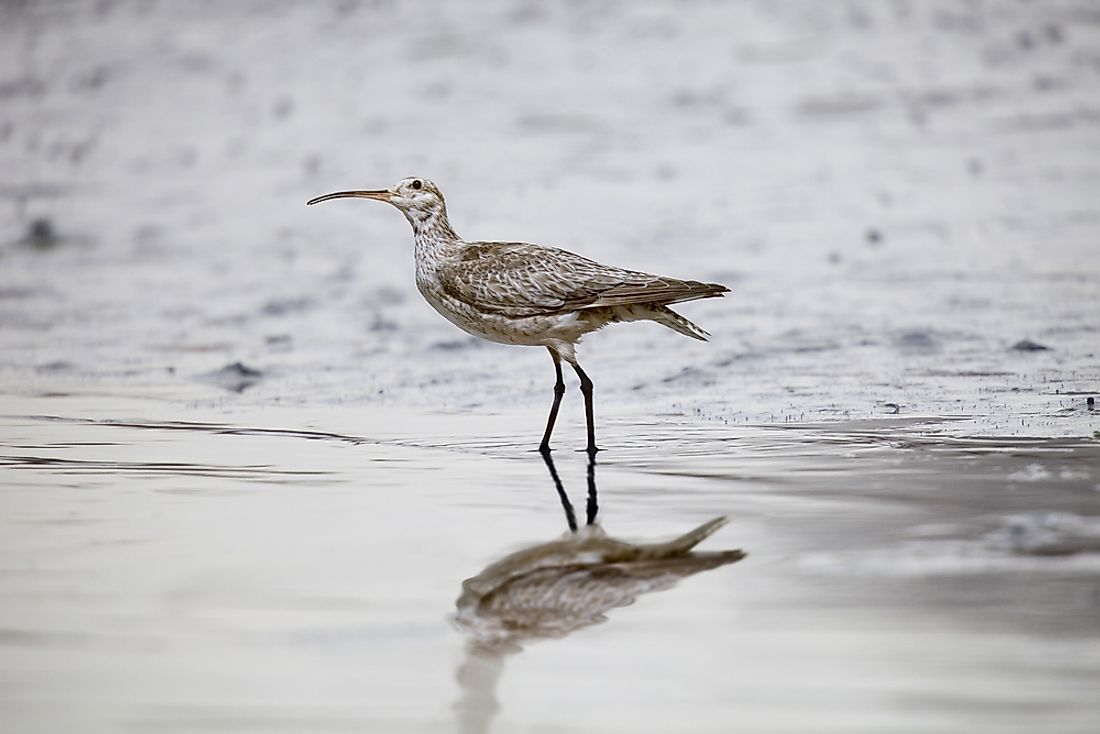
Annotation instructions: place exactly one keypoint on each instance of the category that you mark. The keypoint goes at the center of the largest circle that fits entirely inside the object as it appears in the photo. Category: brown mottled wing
(517, 279)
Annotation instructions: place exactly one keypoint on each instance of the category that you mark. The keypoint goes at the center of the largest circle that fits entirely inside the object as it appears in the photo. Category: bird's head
(419, 200)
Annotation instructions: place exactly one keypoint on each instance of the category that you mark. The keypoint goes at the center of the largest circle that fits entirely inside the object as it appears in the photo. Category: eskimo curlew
(517, 293)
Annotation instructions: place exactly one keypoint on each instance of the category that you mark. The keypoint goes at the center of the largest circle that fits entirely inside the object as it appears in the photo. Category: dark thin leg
(593, 506)
(559, 390)
(586, 389)
(570, 517)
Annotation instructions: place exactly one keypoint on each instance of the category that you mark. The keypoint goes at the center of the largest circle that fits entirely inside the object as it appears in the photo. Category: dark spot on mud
(282, 108)
(379, 323)
(311, 165)
(917, 340)
(665, 172)
(41, 235)
(384, 296)
(26, 86)
(1026, 345)
(55, 367)
(1091, 403)
(91, 80)
(239, 368)
(147, 235)
(736, 116)
(284, 306)
(454, 345)
(17, 293)
(691, 374)
(839, 106)
(1044, 83)
(873, 237)
(235, 377)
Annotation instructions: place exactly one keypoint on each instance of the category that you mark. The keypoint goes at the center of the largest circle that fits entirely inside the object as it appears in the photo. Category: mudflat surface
(897, 194)
(245, 470)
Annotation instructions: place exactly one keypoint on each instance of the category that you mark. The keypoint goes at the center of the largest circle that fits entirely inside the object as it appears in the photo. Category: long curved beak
(381, 195)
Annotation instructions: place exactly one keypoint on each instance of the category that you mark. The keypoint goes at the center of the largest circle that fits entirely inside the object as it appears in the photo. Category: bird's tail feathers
(667, 317)
(662, 315)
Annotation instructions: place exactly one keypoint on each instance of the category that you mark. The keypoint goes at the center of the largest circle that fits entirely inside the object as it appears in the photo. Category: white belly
(550, 330)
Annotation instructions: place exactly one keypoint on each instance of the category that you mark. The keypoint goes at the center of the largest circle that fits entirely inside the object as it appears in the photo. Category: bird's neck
(431, 225)
(435, 242)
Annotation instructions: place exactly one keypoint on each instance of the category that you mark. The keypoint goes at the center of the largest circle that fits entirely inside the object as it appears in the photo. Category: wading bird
(517, 293)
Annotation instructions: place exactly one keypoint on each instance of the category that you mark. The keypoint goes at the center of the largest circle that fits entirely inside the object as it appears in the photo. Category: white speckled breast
(529, 331)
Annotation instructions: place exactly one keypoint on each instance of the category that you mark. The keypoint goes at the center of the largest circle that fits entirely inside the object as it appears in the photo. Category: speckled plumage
(519, 293)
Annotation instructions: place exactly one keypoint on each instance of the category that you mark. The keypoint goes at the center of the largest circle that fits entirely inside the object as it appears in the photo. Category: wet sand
(286, 570)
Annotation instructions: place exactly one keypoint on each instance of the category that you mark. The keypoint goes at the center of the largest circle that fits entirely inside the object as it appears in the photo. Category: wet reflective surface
(281, 570)
(552, 589)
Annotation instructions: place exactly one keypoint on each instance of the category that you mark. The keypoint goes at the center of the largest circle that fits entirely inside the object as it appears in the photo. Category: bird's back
(519, 280)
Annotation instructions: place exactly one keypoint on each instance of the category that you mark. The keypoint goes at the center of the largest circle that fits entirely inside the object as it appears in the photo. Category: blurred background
(902, 196)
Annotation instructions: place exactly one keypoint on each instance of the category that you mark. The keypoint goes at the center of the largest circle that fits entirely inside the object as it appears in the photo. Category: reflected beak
(381, 195)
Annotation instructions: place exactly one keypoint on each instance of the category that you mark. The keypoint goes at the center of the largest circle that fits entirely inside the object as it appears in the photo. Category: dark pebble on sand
(1026, 345)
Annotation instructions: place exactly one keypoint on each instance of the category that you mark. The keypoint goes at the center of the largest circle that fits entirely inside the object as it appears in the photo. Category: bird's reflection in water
(552, 589)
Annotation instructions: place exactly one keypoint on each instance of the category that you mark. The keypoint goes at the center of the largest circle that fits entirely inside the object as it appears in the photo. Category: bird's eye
(416, 184)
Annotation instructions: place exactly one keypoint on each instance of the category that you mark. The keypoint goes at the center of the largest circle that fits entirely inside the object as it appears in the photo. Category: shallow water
(195, 570)
(245, 471)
